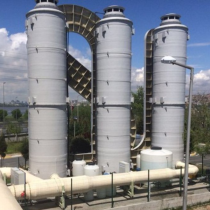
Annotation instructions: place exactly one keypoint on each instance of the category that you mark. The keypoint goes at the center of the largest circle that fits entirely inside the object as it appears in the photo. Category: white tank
(138, 162)
(78, 167)
(113, 61)
(156, 159)
(170, 38)
(46, 46)
(90, 170)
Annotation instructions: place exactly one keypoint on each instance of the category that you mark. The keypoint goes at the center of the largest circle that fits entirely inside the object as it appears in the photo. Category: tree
(80, 145)
(3, 147)
(138, 109)
(16, 113)
(83, 123)
(24, 149)
(200, 124)
(13, 128)
(25, 116)
(3, 113)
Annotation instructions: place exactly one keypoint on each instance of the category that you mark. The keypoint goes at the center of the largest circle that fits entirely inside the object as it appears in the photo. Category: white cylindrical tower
(45, 26)
(170, 38)
(113, 61)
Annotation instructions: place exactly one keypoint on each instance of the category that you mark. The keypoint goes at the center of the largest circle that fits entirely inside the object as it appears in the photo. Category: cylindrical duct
(45, 26)
(113, 60)
(170, 38)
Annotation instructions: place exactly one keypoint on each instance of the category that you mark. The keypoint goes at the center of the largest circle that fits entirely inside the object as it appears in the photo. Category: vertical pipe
(67, 96)
(112, 191)
(148, 196)
(71, 194)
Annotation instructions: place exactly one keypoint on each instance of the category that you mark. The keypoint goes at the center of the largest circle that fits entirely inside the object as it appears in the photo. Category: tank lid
(46, 4)
(49, 1)
(156, 148)
(171, 18)
(114, 11)
(78, 158)
(91, 164)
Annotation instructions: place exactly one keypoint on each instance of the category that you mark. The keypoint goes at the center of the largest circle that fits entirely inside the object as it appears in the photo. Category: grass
(13, 147)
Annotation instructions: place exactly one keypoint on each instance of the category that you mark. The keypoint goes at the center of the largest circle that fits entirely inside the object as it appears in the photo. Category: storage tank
(78, 167)
(156, 158)
(46, 48)
(90, 170)
(113, 61)
(170, 38)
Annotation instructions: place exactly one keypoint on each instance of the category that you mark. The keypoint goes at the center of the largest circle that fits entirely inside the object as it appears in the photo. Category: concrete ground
(166, 198)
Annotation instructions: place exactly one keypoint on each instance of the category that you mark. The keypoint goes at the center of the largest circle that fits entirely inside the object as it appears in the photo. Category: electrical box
(17, 176)
(124, 167)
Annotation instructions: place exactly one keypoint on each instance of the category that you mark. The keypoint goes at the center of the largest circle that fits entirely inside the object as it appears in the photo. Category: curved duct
(148, 68)
(53, 187)
(82, 21)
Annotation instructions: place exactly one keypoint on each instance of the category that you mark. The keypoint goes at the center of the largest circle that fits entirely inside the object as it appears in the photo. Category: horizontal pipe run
(81, 184)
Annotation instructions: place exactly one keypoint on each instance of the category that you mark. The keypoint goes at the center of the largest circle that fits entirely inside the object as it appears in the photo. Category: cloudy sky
(144, 14)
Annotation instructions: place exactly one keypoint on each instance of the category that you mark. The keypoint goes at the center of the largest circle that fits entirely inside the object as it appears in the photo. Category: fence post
(71, 194)
(180, 182)
(112, 191)
(148, 188)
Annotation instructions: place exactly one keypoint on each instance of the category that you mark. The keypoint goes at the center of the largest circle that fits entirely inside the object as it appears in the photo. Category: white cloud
(201, 82)
(137, 78)
(83, 58)
(199, 44)
(13, 65)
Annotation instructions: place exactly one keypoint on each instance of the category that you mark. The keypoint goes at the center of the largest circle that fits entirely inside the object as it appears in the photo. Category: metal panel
(113, 58)
(169, 84)
(47, 90)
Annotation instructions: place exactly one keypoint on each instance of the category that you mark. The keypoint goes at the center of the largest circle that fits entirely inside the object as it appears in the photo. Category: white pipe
(6, 171)
(53, 187)
(145, 108)
(193, 169)
(8, 202)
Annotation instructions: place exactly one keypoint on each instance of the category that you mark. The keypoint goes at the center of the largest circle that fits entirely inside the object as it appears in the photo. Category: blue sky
(145, 15)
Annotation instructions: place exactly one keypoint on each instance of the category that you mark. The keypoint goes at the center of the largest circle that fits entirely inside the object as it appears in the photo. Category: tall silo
(46, 32)
(113, 61)
(170, 38)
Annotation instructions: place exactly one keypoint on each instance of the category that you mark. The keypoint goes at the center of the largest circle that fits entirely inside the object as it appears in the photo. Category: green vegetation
(14, 147)
(3, 147)
(24, 149)
(80, 145)
(81, 124)
(138, 109)
(200, 124)
(25, 115)
(16, 113)
(3, 113)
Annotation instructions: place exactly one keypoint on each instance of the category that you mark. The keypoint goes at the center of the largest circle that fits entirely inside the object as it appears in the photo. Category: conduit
(8, 202)
(81, 184)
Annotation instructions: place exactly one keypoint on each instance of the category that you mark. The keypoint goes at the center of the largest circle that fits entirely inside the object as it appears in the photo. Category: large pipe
(53, 187)
(7, 200)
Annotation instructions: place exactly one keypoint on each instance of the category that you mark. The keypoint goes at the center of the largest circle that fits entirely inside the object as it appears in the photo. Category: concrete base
(168, 203)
